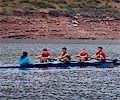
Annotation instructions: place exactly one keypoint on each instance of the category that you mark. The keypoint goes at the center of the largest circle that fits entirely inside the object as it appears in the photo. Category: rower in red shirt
(82, 56)
(100, 55)
(43, 57)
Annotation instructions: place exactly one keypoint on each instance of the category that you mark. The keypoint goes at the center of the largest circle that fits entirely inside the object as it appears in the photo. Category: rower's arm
(47, 57)
(59, 57)
(65, 55)
(93, 56)
(28, 62)
(77, 55)
(39, 56)
(86, 56)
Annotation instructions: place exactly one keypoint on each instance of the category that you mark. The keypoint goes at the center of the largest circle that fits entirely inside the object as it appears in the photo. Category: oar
(114, 60)
(52, 59)
(57, 59)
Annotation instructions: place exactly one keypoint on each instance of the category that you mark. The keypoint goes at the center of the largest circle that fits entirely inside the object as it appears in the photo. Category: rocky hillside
(32, 27)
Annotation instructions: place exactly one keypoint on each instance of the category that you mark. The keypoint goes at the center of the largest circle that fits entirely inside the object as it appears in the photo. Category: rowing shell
(72, 64)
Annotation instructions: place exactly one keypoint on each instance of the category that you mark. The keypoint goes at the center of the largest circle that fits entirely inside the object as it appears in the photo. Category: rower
(64, 57)
(44, 56)
(24, 59)
(82, 56)
(100, 55)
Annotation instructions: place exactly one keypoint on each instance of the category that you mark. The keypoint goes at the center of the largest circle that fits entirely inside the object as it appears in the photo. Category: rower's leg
(41, 60)
(82, 59)
(94, 56)
(101, 57)
(79, 59)
(66, 59)
(44, 60)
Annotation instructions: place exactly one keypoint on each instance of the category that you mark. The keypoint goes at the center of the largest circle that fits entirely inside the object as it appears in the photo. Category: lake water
(58, 84)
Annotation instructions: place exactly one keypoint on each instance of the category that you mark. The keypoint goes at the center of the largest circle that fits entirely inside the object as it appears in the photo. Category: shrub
(53, 1)
(5, 4)
(61, 1)
(118, 1)
(26, 10)
(97, 1)
(42, 4)
(74, 5)
(6, 0)
(69, 12)
(33, 2)
(54, 13)
(108, 6)
(45, 5)
(24, 1)
(8, 11)
(92, 2)
(62, 5)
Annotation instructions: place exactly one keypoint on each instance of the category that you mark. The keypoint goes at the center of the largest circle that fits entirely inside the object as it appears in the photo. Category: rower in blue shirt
(24, 59)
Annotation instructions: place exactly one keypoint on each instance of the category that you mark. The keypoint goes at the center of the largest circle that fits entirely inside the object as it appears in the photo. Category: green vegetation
(108, 6)
(74, 5)
(3, 4)
(62, 5)
(8, 11)
(93, 2)
(69, 12)
(54, 13)
(61, 1)
(87, 8)
(42, 4)
(51, 1)
(26, 10)
(24, 1)
(118, 1)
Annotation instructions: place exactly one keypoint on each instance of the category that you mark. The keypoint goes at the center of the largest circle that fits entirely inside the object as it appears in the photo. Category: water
(58, 84)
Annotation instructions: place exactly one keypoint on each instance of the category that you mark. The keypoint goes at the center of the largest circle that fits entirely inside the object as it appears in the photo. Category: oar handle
(51, 59)
(57, 59)
(114, 60)
(82, 57)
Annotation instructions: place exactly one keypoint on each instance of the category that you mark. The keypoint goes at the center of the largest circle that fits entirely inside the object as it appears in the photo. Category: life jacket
(24, 61)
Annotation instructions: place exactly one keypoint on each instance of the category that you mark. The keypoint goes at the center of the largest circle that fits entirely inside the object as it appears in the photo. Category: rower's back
(24, 59)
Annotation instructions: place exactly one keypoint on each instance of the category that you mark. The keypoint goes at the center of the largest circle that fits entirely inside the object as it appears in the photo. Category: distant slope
(85, 8)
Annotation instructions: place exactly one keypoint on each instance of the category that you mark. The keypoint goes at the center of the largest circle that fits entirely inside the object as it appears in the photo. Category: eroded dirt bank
(46, 27)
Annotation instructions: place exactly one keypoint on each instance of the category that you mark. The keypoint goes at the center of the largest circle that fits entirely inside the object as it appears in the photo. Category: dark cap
(44, 49)
(25, 54)
(100, 48)
(64, 48)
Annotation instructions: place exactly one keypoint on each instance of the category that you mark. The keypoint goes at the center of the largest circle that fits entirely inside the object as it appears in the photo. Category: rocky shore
(44, 26)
